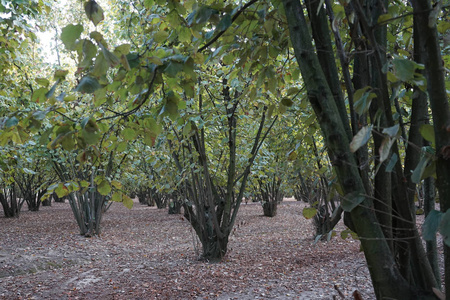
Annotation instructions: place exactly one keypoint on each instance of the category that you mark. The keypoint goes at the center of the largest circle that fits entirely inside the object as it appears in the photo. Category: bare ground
(144, 253)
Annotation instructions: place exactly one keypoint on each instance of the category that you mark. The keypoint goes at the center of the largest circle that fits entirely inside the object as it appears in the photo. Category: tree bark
(386, 278)
(435, 74)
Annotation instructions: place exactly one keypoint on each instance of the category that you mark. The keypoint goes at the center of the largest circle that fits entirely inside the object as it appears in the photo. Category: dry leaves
(144, 253)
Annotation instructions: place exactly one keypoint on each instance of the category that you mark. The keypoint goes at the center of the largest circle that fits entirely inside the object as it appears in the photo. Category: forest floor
(145, 253)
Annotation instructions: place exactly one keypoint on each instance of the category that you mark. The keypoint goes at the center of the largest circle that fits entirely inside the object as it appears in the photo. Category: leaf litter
(145, 253)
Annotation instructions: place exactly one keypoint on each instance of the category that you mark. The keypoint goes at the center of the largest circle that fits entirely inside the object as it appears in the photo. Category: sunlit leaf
(127, 201)
(94, 12)
(70, 34)
(43, 82)
(361, 138)
(60, 74)
(116, 197)
(61, 190)
(104, 188)
(385, 148)
(383, 18)
(39, 95)
(427, 132)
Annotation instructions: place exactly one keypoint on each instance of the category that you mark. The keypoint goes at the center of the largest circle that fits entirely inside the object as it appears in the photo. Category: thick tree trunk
(435, 74)
(429, 205)
(386, 278)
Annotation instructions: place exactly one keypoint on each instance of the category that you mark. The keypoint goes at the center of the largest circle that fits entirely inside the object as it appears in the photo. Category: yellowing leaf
(360, 138)
(104, 188)
(127, 201)
(309, 212)
(116, 184)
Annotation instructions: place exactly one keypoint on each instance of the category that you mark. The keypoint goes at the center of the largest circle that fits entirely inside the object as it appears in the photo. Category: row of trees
(203, 99)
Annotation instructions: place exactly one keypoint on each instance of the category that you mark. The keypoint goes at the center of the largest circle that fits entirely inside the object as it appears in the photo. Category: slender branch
(217, 36)
(147, 95)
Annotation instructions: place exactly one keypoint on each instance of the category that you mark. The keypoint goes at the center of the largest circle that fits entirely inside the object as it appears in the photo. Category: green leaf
(173, 68)
(392, 131)
(444, 227)
(68, 142)
(42, 81)
(89, 52)
(416, 176)
(127, 201)
(39, 95)
(94, 12)
(110, 57)
(427, 132)
(128, 134)
(224, 23)
(28, 171)
(384, 17)
(309, 212)
(362, 100)
(116, 184)
(70, 34)
(156, 60)
(117, 197)
(101, 66)
(161, 36)
(385, 148)
(200, 16)
(60, 74)
(170, 107)
(88, 85)
(61, 190)
(352, 200)
(361, 138)
(292, 91)
(123, 49)
(392, 162)
(287, 102)
(90, 137)
(431, 225)
(13, 121)
(84, 183)
(184, 35)
(50, 93)
(404, 69)
(89, 124)
(104, 188)
(122, 146)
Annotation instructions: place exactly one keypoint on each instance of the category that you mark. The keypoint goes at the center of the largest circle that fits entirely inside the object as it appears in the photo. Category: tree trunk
(435, 74)
(386, 278)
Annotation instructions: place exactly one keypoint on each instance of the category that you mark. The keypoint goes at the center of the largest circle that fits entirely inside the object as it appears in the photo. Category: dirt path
(144, 253)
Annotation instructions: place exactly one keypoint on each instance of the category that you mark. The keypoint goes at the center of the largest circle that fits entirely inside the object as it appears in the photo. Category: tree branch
(217, 36)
